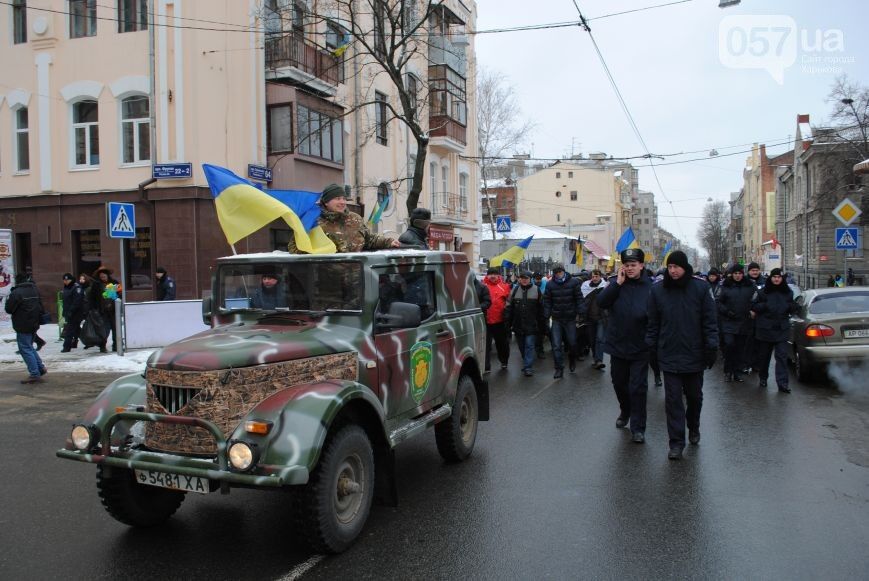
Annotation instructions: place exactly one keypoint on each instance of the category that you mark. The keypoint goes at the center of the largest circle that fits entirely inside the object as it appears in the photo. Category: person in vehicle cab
(345, 228)
(416, 235)
(269, 295)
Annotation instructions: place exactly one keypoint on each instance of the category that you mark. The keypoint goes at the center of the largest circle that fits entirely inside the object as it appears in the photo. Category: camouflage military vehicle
(315, 368)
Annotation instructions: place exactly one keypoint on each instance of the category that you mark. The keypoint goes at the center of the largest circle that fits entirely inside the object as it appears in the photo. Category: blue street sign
(259, 173)
(846, 238)
(503, 224)
(121, 219)
(172, 171)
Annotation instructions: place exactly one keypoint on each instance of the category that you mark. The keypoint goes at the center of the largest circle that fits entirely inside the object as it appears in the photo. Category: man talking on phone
(626, 296)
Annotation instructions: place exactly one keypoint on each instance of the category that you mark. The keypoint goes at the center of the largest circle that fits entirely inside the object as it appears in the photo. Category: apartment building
(95, 95)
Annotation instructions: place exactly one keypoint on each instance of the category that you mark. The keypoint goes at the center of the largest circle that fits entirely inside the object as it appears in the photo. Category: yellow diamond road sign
(846, 212)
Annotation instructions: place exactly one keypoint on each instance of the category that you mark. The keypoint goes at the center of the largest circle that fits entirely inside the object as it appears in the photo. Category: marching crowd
(674, 322)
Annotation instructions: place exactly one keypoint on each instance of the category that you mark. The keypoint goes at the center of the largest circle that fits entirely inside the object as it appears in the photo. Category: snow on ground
(77, 360)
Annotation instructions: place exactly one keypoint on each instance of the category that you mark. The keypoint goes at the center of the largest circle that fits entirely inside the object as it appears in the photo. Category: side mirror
(206, 310)
(400, 316)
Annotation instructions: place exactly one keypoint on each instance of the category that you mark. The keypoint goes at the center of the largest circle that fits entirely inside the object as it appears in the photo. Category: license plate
(173, 481)
(856, 334)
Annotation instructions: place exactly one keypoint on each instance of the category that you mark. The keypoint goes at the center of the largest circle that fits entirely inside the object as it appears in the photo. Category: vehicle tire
(333, 507)
(456, 435)
(135, 504)
(801, 367)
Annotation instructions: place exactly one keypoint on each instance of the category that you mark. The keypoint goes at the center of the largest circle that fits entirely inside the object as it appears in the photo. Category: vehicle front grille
(174, 398)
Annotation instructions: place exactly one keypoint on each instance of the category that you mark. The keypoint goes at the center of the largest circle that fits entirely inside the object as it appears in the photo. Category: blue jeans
(526, 348)
(597, 338)
(29, 355)
(561, 331)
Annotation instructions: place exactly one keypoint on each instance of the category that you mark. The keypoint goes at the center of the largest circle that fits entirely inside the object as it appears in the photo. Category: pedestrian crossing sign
(503, 223)
(122, 220)
(846, 238)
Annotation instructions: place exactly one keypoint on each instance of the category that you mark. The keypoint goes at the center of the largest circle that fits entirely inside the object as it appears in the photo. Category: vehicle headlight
(242, 455)
(84, 437)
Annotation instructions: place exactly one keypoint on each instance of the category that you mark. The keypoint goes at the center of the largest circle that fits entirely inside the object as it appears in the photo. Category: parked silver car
(832, 325)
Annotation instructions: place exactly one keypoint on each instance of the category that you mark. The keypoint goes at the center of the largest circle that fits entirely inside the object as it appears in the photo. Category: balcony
(450, 51)
(447, 132)
(449, 208)
(290, 56)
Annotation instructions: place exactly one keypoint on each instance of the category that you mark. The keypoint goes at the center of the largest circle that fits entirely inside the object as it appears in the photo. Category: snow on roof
(805, 130)
(521, 231)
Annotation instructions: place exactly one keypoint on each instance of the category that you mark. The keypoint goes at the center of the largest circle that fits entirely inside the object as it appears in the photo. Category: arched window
(85, 134)
(135, 130)
(22, 140)
(433, 184)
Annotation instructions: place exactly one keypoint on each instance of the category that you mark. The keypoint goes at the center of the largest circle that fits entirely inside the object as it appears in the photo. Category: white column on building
(179, 86)
(43, 100)
(162, 95)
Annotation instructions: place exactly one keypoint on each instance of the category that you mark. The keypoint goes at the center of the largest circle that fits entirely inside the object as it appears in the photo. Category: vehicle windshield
(848, 302)
(291, 287)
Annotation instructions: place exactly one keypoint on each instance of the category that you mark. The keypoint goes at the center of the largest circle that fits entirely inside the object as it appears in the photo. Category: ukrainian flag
(577, 257)
(666, 252)
(513, 255)
(242, 209)
(377, 212)
(628, 240)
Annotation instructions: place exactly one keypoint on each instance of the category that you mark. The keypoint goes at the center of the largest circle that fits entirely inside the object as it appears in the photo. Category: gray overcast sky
(670, 70)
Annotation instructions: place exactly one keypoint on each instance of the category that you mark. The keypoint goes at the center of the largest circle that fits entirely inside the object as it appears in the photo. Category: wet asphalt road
(777, 489)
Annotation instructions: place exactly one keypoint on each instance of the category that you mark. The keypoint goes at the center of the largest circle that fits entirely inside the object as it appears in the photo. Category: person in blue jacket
(683, 331)
(626, 297)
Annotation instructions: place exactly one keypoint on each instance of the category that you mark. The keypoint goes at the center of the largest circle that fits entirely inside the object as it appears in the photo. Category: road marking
(544, 389)
(302, 568)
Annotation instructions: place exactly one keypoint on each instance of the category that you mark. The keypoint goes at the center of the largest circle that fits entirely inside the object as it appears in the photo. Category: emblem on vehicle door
(420, 365)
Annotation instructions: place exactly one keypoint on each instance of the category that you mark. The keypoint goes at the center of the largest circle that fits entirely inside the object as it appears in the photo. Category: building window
(280, 128)
(463, 191)
(86, 138)
(558, 175)
(132, 15)
(433, 182)
(320, 135)
(22, 140)
(645, 210)
(86, 253)
(413, 91)
(557, 194)
(445, 185)
(298, 16)
(139, 270)
(19, 21)
(380, 20)
(558, 217)
(380, 117)
(135, 130)
(82, 18)
(280, 238)
(574, 196)
(646, 221)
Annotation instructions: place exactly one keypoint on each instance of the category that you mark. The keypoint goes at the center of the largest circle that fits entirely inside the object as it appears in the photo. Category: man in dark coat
(270, 295)
(73, 311)
(594, 316)
(562, 302)
(771, 311)
(165, 285)
(684, 332)
(626, 297)
(416, 235)
(734, 304)
(26, 308)
(524, 314)
(105, 305)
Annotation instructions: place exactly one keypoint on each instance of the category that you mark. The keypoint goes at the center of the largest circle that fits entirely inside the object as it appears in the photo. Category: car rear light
(815, 331)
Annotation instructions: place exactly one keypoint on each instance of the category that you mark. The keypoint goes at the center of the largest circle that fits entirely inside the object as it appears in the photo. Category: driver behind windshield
(269, 295)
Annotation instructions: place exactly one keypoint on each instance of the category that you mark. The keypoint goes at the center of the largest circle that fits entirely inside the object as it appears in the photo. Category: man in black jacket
(26, 308)
(684, 332)
(626, 297)
(73, 311)
(523, 314)
(416, 235)
(734, 304)
(562, 301)
(165, 285)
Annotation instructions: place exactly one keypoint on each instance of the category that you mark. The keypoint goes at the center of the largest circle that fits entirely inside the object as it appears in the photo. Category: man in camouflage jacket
(345, 228)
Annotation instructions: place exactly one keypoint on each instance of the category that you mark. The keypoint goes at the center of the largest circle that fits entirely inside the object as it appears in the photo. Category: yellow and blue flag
(666, 252)
(242, 209)
(513, 255)
(377, 212)
(577, 256)
(628, 240)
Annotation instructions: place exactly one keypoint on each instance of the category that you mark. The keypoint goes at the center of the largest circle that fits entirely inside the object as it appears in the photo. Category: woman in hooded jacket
(771, 310)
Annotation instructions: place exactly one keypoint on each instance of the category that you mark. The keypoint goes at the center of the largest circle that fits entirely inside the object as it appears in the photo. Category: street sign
(503, 223)
(259, 173)
(172, 171)
(846, 238)
(846, 212)
(122, 220)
